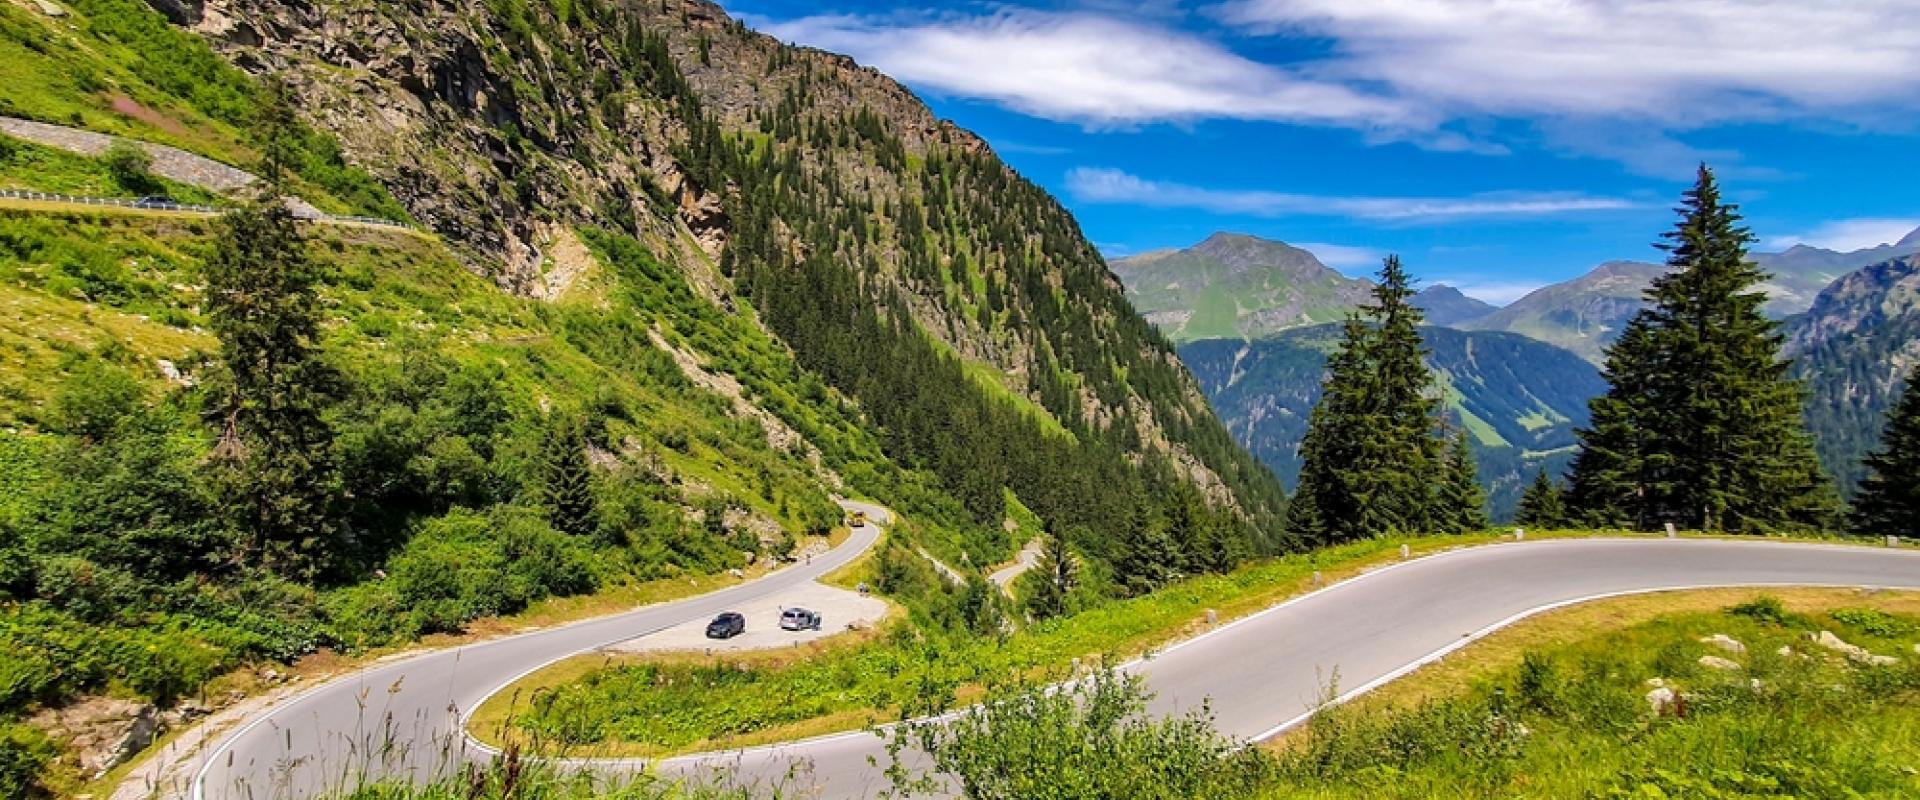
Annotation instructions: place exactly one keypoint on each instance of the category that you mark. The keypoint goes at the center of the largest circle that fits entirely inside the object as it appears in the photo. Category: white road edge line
(694, 758)
(1468, 639)
(199, 783)
(199, 780)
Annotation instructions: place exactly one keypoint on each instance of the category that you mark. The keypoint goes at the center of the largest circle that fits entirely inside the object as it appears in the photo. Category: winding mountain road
(1264, 672)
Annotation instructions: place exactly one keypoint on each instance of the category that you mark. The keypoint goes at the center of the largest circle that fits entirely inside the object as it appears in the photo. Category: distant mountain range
(1586, 313)
(1251, 318)
(1521, 399)
(1235, 286)
(1854, 348)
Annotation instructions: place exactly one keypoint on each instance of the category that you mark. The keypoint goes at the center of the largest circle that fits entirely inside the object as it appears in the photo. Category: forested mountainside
(673, 285)
(1586, 313)
(1237, 286)
(1520, 399)
(1854, 348)
(902, 261)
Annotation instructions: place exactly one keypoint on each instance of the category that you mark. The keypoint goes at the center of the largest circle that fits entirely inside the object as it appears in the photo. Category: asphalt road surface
(1262, 673)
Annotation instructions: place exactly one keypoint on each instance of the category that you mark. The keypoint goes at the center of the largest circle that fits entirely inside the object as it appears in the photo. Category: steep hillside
(1853, 348)
(1521, 399)
(670, 277)
(875, 239)
(1238, 286)
(1584, 314)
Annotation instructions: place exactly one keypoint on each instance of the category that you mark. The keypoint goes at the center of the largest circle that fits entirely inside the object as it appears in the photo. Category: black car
(727, 626)
(154, 201)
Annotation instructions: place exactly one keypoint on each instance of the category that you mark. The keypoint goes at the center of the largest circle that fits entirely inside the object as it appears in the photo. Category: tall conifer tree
(1889, 500)
(1459, 504)
(274, 454)
(1700, 426)
(1370, 444)
(566, 478)
(1541, 505)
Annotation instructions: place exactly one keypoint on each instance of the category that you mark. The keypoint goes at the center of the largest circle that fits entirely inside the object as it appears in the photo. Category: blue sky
(1497, 145)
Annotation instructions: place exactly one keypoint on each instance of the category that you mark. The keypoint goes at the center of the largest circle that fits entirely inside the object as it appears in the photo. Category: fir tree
(1056, 575)
(1700, 426)
(277, 129)
(566, 488)
(1459, 504)
(1889, 499)
(1369, 443)
(274, 456)
(1541, 505)
(1611, 469)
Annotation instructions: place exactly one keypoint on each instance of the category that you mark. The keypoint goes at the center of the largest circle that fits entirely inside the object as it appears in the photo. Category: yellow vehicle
(857, 519)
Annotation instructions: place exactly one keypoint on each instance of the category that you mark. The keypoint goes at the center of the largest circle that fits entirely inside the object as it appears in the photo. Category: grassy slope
(394, 297)
(1555, 707)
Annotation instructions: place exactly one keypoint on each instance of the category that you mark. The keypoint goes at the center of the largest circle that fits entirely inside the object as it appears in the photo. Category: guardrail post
(1405, 551)
(1519, 534)
(1672, 532)
(1893, 541)
(1316, 578)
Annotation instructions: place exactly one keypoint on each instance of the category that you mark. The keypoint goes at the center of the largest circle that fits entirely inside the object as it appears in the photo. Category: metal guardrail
(169, 205)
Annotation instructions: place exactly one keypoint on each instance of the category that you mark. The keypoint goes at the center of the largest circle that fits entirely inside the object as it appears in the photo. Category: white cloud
(1091, 69)
(1684, 62)
(1848, 235)
(1100, 185)
(1345, 258)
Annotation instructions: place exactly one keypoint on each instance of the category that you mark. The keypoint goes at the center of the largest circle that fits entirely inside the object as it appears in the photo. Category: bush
(1767, 609)
(131, 167)
(467, 565)
(1875, 622)
(1090, 740)
(24, 753)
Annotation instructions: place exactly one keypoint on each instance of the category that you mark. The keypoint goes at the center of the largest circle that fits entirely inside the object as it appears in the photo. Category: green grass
(1216, 315)
(1570, 718)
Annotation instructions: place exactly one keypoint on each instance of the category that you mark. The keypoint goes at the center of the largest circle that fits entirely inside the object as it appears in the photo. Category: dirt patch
(129, 107)
(570, 266)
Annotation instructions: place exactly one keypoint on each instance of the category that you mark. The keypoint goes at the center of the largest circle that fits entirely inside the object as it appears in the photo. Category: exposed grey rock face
(180, 12)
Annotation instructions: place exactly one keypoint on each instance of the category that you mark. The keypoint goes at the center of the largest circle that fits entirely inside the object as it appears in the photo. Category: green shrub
(467, 565)
(1767, 609)
(1875, 622)
(131, 167)
(1090, 740)
(24, 754)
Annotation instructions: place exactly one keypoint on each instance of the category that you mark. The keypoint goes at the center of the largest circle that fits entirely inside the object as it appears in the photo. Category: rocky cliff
(745, 163)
